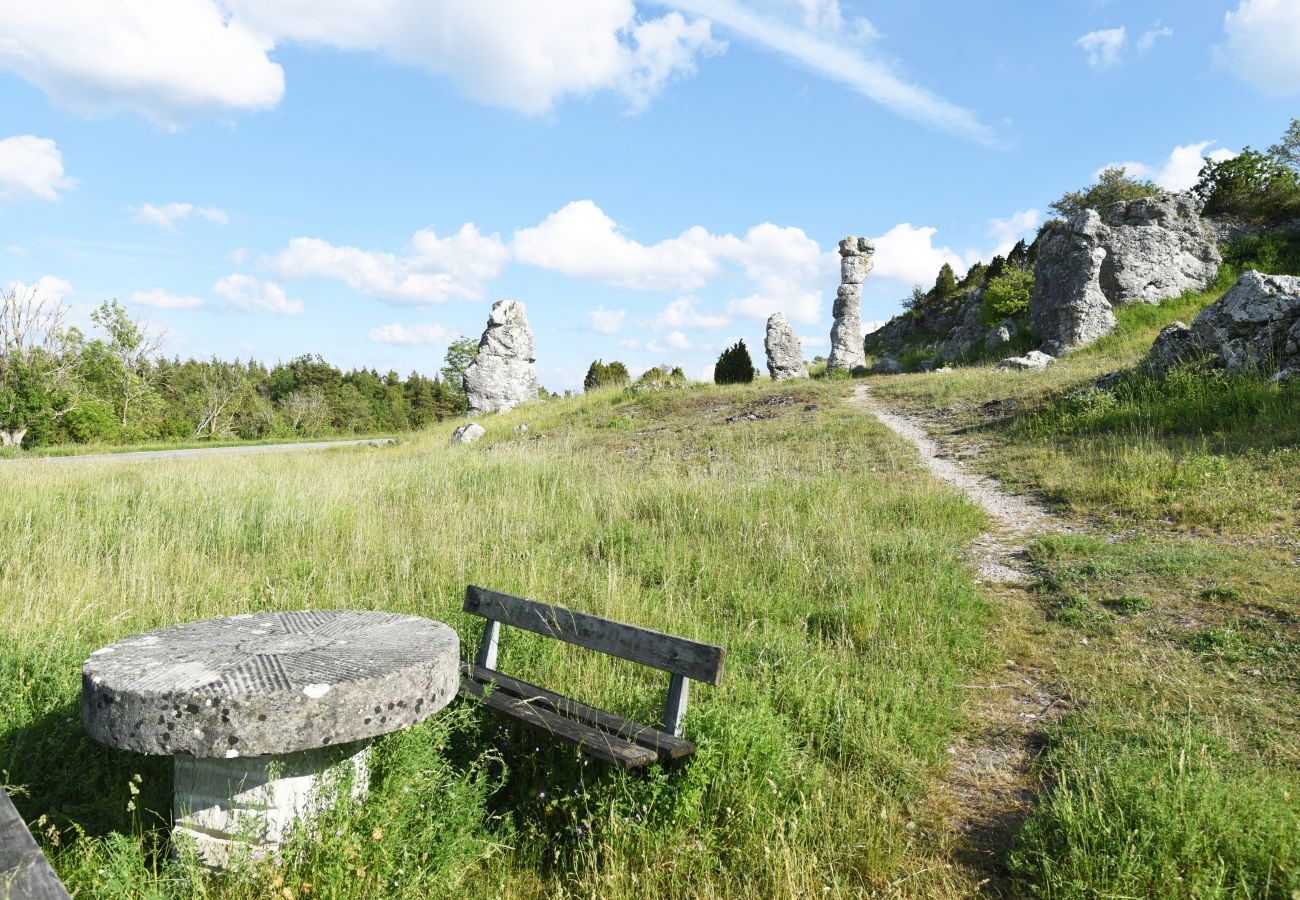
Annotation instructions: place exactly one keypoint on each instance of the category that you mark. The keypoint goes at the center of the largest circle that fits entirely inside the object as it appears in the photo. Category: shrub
(601, 375)
(734, 366)
(946, 283)
(1007, 296)
(1275, 253)
(1113, 185)
(1252, 186)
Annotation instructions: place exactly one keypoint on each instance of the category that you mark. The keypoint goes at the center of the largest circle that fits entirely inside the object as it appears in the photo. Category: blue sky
(363, 179)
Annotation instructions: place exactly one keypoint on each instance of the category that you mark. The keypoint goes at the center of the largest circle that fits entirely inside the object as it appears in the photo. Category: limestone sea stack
(784, 352)
(504, 373)
(846, 332)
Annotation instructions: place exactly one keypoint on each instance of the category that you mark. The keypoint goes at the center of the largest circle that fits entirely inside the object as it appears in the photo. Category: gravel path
(201, 451)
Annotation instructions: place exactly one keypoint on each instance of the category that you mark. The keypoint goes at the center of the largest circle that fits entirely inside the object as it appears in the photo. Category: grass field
(806, 543)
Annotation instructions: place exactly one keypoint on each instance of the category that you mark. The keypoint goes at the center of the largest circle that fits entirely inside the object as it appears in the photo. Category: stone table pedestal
(269, 715)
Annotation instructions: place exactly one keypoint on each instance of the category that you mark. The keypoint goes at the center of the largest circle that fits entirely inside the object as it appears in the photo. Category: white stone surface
(230, 809)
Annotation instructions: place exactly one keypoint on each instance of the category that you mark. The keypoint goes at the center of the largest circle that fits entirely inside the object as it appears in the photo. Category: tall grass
(806, 543)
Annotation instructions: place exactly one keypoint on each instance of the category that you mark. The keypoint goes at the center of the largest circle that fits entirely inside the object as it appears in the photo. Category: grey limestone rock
(970, 332)
(1254, 326)
(1034, 359)
(468, 434)
(1172, 345)
(1142, 251)
(784, 352)
(268, 683)
(504, 373)
(887, 366)
(1000, 335)
(846, 331)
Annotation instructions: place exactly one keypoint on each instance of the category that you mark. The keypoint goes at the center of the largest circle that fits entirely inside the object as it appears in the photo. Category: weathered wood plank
(680, 656)
(591, 741)
(666, 745)
(674, 718)
(25, 873)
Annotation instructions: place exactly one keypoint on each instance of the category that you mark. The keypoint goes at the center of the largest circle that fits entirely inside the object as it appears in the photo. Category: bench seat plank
(667, 746)
(592, 741)
(25, 873)
(680, 656)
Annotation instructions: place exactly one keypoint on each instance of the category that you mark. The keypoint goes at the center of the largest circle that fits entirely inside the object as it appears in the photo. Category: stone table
(268, 716)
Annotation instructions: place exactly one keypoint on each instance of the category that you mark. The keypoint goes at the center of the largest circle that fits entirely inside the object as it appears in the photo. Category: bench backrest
(680, 656)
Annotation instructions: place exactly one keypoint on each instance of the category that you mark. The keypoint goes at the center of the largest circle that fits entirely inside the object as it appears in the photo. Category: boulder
(468, 434)
(1034, 359)
(1000, 335)
(846, 331)
(504, 373)
(887, 366)
(1143, 251)
(1254, 326)
(966, 338)
(1172, 345)
(784, 352)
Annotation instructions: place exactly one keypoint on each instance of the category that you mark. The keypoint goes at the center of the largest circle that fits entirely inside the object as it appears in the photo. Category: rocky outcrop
(1254, 327)
(1141, 251)
(504, 373)
(887, 366)
(467, 434)
(966, 338)
(846, 332)
(784, 352)
(1000, 335)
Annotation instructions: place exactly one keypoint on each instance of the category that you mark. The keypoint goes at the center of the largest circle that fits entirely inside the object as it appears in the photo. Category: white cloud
(397, 333)
(815, 341)
(47, 286)
(1151, 35)
(630, 344)
(1181, 170)
(160, 299)
(431, 270)
(16, 250)
(168, 60)
(673, 341)
(160, 59)
(813, 46)
(682, 313)
(1262, 37)
(30, 168)
(238, 256)
(249, 294)
(1103, 47)
(606, 321)
(1011, 229)
(873, 325)
(906, 253)
(168, 214)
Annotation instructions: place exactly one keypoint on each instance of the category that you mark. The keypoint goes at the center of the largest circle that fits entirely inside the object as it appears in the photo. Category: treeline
(58, 386)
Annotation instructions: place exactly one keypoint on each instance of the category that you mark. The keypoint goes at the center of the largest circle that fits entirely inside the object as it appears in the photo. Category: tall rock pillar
(846, 332)
(504, 373)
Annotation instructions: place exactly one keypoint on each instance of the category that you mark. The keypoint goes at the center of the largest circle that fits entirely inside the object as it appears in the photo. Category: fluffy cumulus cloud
(907, 254)
(397, 333)
(1011, 229)
(1103, 48)
(431, 270)
(673, 341)
(47, 287)
(1181, 170)
(248, 294)
(1149, 37)
(684, 312)
(168, 60)
(606, 321)
(1260, 46)
(31, 168)
(167, 215)
(160, 299)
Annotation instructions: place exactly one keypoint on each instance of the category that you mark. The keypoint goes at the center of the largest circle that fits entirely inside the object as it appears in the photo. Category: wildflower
(259, 855)
(541, 794)
(279, 861)
(377, 834)
(406, 790)
(338, 832)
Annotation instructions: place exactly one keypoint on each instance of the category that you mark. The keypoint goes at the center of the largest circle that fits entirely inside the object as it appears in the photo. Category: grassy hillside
(806, 542)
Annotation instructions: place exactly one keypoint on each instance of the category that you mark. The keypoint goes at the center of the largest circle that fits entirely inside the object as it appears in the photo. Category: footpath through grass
(805, 541)
(1172, 623)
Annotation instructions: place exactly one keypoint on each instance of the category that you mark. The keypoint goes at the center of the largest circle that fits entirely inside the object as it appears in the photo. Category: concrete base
(230, 808)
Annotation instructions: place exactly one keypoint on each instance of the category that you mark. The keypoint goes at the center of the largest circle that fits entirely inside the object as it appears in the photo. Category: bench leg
(675, 708)
(487, 651)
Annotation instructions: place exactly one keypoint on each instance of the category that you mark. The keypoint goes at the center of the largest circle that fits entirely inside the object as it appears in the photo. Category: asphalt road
(201, 451)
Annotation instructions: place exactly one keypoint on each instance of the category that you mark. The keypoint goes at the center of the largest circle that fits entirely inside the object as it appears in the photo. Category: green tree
(38, 363)
(1286, 152)
(946, 283)
(600, 375)
(132, 345)
(997, 266)
(734, 366)
(1007, 296)
(1113, 185)
(1251, 185)
(460, 353)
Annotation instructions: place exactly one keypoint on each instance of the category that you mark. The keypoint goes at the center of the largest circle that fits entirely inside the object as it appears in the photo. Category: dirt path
(990, 785)
(201, 451)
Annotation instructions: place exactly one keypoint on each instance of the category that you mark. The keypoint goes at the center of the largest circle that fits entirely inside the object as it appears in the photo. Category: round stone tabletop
(268, 683)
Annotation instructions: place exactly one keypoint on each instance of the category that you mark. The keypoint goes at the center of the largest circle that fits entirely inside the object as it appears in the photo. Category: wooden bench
(593, 731)
(25, 873)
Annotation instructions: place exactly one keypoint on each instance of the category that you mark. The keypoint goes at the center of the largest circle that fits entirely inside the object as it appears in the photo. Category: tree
(997, 266)
(946, 283)
(307, 411)
(1019, 255)
(1286, 152)
(460, 353)
(600, 375)
(1007, 296)
(132, 344)
(1251, 185)
(734, 366)
(915, 301)
(1113, 185)
(38, 360)
(221, 384)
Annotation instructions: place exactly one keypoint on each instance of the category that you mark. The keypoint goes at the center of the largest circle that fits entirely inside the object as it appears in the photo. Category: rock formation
(467, 434)
(846, 332)
(887, 366)
(1034, 359)
(504, 373)
(784, 352)
(1142, 251)
(1255, 326)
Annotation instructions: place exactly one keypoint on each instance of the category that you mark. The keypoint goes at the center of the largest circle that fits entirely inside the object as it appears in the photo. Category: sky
(363, 178)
